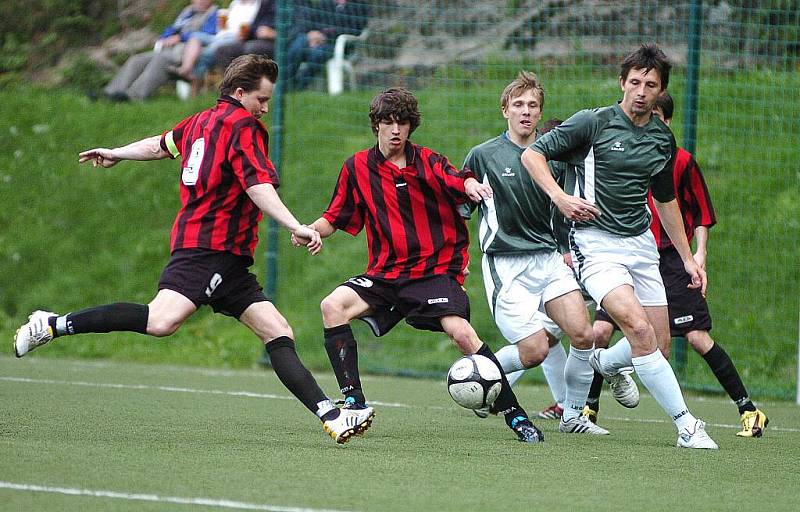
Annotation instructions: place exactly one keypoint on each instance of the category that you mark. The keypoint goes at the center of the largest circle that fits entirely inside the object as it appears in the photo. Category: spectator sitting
(260, 40)
(143, 73)
(319, 24)
(199, 57)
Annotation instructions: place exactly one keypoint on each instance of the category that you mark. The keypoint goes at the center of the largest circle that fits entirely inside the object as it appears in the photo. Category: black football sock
(593, 400)
(121, 316)
(506, 402)
(723, 368)
(295, 376)
(343, 353)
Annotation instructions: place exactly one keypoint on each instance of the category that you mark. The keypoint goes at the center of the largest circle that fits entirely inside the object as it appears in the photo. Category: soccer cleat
(553, 412)
(350, 403)
(526, 431)
(580, 425)
(589, 414)
(621, 383)
(753, 424)
(350, 422)
(483, 412)
(696, 437)
(34, 333)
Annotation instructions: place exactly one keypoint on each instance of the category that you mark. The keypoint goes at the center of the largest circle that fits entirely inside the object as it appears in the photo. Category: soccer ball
(474, 382)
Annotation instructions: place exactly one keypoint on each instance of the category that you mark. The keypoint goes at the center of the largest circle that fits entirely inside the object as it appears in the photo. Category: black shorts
(423, 302)
(688, 309)
(216, 278)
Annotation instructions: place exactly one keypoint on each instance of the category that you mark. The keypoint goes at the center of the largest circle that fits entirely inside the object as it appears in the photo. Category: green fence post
(678, 357)
(692, 76)
(284, 11)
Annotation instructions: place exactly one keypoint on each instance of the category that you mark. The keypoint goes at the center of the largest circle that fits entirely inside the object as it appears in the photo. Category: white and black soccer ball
(474, 381)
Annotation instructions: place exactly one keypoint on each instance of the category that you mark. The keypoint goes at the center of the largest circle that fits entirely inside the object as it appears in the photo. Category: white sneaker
(350, 422)
(621, 383)
(580, 425)
(34, 333)
(696, 437)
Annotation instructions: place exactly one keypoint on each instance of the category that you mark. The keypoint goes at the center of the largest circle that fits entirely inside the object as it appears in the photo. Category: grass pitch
(122, 436)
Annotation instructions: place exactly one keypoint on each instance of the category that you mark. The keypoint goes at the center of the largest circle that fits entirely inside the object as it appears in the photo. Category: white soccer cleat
(621, 383)
(580, 425)
(696, 437)
(34, 333)
(350, 422)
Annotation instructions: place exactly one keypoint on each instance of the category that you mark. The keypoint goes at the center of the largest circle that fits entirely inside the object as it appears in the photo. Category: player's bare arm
(573, 208)
(476, 190)
(701, 240)
(145, 149)
(673, 224)
(266, 198)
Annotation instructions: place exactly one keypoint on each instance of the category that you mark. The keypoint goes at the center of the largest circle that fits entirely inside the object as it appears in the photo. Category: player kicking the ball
(407, 198)
(227, 181)
(619, 152)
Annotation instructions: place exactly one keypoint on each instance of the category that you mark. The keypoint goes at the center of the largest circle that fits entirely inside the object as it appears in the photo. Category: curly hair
(394, 104)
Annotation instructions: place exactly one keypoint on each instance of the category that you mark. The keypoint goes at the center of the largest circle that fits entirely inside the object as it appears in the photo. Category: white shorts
(517, 288)
(604, 261)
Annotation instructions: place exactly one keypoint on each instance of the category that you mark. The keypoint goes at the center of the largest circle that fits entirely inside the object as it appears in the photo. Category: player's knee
(162, 327)
(700, 341)
(583, 339)
(333, 311)
(532, 356)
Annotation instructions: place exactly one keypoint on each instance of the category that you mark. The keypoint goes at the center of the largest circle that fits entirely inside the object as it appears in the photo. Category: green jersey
(616, 161)
(517, 217)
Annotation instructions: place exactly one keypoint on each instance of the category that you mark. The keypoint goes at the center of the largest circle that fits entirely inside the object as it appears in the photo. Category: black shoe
(526, 431)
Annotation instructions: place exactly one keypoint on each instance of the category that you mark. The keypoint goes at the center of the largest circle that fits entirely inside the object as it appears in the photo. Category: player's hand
(575, 208)
(476, 190)
(568, 259)
(700, 259)
(103, 157)
(308, 237)
(698, 275)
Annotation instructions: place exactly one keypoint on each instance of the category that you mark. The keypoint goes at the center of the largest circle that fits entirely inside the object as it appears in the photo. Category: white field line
(206, 502)
(250, 394)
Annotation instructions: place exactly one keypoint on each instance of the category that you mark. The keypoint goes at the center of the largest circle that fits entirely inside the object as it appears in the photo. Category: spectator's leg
(295, 55)
(315, 58)
(156, 73)
(227, 52)
(129, 72)
(260, 47)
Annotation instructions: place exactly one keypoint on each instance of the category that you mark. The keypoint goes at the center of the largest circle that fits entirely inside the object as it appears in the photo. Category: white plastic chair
(340, 64)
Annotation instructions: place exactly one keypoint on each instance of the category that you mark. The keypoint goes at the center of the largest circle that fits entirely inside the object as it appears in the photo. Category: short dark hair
(246, 71)
(648, 56)
(394, 104)
(665, 104)
(525, 81)
(549, 125)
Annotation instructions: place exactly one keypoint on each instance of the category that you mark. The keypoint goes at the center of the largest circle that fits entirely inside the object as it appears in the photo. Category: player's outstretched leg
(623, 388)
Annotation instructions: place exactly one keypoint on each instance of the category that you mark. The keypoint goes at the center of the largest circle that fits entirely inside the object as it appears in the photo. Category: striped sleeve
(451, 178)
(247, 154)
(701, 208)
(344, 212)
(171, 141)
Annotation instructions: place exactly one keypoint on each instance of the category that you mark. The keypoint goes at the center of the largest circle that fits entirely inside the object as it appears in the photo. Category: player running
(227, 181)
(619, 152)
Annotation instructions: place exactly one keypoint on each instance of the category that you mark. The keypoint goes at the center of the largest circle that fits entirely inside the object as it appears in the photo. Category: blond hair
(525, 81)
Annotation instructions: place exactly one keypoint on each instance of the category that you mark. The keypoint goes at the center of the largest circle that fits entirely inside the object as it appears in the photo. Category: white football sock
(509, 360)
(513, 377)
(578, 376)
(656, 374)
(553, 368)
(617, 356)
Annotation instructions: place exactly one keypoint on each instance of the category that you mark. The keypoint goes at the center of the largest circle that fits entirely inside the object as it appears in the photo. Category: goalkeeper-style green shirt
(517, 217)
(616, 161)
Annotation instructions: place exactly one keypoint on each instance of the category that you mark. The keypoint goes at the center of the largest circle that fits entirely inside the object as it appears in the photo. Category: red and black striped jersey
(693, 200)
(411, 215)
(224, 151)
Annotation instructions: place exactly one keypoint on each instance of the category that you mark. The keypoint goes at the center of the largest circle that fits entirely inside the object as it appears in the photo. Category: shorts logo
(617, 146)
(360, 281)
(440, 300)
(216, 279)
(683, 319)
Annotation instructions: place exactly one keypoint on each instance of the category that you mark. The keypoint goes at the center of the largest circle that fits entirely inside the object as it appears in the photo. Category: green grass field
(80, 435)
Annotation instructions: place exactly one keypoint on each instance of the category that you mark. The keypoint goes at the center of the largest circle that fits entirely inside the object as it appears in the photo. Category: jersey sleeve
(569, 141)
(248, 155)
(451, 178)
(172, 141)
(344, 211)
(471, 164)
(662, 185)
(699, 199)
